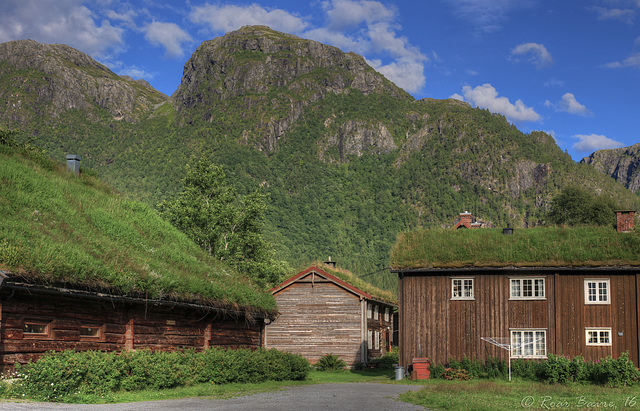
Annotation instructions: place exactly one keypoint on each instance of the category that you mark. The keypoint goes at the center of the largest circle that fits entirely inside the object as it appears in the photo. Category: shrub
(437, 371)
(388, 360)
(58, 376)
(615, 373)
(330, 362)
(457, 374)
(557, 368)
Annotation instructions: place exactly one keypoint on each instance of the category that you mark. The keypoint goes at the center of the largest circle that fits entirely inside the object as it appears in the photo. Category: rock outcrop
(47, 80)
(623, 164)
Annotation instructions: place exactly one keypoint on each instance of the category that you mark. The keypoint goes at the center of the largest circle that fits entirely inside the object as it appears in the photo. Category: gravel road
(352, 396)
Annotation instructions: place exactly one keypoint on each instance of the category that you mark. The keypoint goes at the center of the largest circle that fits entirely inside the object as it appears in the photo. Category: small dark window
(33, 328)
(90, 331)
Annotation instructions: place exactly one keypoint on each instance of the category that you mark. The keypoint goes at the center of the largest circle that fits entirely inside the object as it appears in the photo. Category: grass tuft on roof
(62, 230)
(533, 247)
(351, 278)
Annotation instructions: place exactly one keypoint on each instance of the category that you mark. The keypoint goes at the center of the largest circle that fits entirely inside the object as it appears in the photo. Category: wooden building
(35, 319)
(546, 290)
(323, 313)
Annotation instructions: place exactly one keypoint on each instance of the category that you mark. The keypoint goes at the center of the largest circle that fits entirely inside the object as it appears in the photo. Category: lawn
(503, 395)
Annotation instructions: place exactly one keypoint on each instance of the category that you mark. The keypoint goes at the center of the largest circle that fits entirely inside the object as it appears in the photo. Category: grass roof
(350, 278)
(58, 229)
(533, 247)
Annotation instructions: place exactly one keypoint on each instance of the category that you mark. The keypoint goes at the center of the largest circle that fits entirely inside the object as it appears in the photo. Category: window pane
(541, 343)
(34, 328)
(602, 291)
(468, 288)
(527, 289)
(539, 288)
(90, 331)
(457, 288)
(528, 343)
(604, 337)
(515, 288)
(516, 343)
(591, 289)
(592, 337)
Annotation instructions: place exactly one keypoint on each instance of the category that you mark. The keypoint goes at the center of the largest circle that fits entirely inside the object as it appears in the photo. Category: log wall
(121, 326)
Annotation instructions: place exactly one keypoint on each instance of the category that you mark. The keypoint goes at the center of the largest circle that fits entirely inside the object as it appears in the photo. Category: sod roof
(352, 279)
(534, 247)
(75, 232)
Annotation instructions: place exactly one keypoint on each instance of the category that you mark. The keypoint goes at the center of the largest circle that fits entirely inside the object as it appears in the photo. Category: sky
(570, 68)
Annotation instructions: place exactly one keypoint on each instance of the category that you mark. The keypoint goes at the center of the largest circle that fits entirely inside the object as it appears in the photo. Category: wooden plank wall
(432, 325)
(122, 326)
(317, 318)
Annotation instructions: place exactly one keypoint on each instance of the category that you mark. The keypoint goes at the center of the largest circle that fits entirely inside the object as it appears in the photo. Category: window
(376, 311)
(376, 336)
(35, 329)
(369, 339)
(89, 332)
(368, 310)
(598, 336)
(386, 314)
(462, 289)
(596, 291)
(529, 343)
(527, 288)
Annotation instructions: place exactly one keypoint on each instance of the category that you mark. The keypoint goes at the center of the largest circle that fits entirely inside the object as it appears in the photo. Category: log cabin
(84, 268)
(566, 291)
(325, 310)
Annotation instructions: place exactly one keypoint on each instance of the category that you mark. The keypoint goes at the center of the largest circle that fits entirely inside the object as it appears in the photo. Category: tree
(575, 206)
(227, 227)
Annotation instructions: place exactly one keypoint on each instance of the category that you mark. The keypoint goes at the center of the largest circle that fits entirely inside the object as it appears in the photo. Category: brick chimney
(73, 163)
(625, 220)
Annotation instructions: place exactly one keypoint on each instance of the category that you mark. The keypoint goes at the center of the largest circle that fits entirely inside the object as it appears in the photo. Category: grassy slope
(541, 246)
(58, 229)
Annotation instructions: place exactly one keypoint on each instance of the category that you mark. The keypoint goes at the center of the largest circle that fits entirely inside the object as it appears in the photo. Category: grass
(77, 232)
(502, 395)
(540, 246)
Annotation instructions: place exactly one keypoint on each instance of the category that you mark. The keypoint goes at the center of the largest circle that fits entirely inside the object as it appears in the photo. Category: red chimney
(625, 220)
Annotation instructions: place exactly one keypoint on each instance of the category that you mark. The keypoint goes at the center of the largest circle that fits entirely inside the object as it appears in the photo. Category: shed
(322, 313)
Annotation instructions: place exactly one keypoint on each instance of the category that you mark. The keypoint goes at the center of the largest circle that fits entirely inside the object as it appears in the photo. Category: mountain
(623, 164)
(347, 158)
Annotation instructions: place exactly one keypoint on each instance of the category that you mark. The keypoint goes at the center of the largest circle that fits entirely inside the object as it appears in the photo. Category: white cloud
(136, 72)
(487, 15)
(553, 82)
(624, 15)
(631, 61)
(486, 96)
(537, 53)
(225, 18)
(593, 142)
(569, 104)
(168, 35)
(58, 21)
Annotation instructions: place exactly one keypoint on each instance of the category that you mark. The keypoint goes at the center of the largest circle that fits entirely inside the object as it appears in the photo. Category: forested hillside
(347, 159)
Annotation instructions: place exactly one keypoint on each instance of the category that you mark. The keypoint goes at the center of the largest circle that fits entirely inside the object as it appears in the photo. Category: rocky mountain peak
(56, 78)
(623, 164)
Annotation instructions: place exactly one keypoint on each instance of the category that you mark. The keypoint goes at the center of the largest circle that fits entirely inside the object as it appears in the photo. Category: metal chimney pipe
(73, 163)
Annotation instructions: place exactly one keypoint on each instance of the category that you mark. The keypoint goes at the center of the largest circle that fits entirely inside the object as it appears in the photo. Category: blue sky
(570, 68)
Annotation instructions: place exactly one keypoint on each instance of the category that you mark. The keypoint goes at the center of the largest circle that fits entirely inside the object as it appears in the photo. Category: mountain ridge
(348, 159)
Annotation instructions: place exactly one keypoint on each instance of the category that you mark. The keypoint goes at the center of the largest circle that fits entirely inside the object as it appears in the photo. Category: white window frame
(528, 343)
(386, 314)
(369, 310)
(369, 339)
(597, 282)
(601, 333)
(376, 312)
(376, 336)
(534, 282)
(463, 288)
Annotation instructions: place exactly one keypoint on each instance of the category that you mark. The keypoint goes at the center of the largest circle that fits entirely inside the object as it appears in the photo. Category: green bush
(59, 376)
(388, 359)
(456, 374)
(330, 362)
(615, 372)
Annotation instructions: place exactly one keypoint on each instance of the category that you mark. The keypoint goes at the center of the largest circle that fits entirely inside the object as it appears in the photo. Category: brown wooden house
(546, 290)
(323, 313)
(35, 319)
